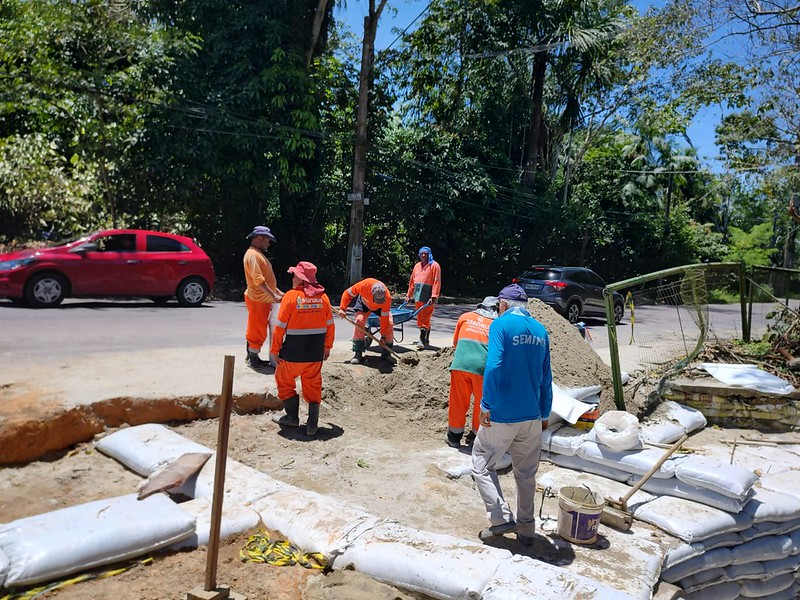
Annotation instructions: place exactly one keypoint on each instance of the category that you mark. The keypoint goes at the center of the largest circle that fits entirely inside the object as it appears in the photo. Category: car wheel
(618, 310)
(160, 300)
(192, 292)
(573, 312)
(45, 290)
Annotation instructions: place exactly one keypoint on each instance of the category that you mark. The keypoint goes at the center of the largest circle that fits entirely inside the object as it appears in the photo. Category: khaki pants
(524, 442)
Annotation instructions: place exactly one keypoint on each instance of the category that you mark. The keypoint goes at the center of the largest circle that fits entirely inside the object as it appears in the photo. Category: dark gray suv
(573, 292)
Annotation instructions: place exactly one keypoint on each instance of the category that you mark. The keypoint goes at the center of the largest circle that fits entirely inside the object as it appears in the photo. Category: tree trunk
(319, 16)
(667, 207)
(355, 242)
(537, 99)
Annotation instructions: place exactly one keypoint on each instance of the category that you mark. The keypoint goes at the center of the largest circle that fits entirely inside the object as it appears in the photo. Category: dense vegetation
(501, 133)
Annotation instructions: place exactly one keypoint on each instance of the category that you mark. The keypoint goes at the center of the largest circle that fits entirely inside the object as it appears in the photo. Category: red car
(117, 262)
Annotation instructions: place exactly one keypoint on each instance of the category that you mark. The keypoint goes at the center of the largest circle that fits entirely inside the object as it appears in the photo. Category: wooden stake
(219, 472)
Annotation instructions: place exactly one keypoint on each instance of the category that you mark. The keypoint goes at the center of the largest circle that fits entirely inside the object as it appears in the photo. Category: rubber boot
(292, 407)
(421, 342)
(387, 355)
(359, 346)
(313, 418)
(426, 333)
(453, 439)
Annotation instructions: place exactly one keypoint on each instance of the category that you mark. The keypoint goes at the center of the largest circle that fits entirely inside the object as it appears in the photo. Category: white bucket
(579, 513)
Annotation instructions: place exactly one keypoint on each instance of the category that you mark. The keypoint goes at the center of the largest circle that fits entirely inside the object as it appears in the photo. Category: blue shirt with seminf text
(517, 382)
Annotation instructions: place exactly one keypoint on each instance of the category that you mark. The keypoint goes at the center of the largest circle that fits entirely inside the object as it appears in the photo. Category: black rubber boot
(387, 355)
(421, 342)
(292, 407)
(426, 337)
(453, 439)
(313, 418)
(359, 346)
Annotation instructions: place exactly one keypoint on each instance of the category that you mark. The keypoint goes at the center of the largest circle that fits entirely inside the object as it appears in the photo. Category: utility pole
(355, 240)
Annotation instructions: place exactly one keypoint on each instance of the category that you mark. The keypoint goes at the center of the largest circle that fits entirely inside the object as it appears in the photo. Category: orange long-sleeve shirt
(364, 289)
(425, 282)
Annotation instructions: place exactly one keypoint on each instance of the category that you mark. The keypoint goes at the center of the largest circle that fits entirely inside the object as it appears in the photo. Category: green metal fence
(670, 315)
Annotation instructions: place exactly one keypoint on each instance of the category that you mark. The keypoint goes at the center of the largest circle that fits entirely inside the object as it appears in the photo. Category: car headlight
(11, 265)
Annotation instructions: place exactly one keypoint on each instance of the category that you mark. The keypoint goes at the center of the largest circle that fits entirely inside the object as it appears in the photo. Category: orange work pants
(424, 315)
(361, 319)
(310, 374)
(257, 323)
(462, 386)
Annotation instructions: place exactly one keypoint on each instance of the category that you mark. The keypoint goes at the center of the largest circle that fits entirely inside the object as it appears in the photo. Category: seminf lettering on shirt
(527, 339)
(312, 303)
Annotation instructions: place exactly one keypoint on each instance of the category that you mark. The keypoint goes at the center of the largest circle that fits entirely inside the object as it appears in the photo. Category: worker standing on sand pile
(370, 296)
(303, 338)
(424, 286)
(262, 291)
(517, 397)
(471, 342)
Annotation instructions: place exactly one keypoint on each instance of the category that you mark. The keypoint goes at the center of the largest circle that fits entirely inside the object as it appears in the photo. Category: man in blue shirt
(517, 396)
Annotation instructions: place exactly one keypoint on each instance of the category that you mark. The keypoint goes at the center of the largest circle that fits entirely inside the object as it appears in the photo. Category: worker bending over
(370, 296)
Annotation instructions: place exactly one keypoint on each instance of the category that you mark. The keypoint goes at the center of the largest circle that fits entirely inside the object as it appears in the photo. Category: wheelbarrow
(400, 315)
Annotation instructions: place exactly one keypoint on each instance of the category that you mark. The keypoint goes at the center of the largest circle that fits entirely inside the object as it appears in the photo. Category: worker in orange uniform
(424, 286)
(262, 291)
(471, 342)
(303, 338)
(370, 296)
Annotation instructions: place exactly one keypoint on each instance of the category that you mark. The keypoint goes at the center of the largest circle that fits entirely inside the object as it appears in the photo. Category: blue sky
(400, 14)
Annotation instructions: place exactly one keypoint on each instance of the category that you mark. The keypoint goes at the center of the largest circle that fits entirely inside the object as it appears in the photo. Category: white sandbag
(636, 462)
(4, 565)
(55, 544)
(725, 479)
(678, 489)
(617, 430)
(567, 407)
(578, 464)
(751, 570)
(435, 564)
(685, 551)
(235, 519)
(772, 547)
(146, 448)
(751, 588)
(767, 505)
(688, 520)
(790, 593)
(660, 432)
(689, 418)
(748, 376)
(243, 484)
(704, 579)
(562, 439)
(723, 591)
(523, 578)
(773, 568)
(713, 559)
(769, 528)
(787, 482)
(583, 393)
(314, 522)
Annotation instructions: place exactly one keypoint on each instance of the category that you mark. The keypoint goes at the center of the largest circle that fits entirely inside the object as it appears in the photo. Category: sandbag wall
(383, 549)
(740, 532)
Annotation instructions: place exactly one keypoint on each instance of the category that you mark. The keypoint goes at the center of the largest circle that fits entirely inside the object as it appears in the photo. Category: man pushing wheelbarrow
(370, 296)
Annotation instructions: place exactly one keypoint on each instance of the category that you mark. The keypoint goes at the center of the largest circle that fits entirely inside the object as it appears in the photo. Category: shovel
(374, 339)
(615, 512)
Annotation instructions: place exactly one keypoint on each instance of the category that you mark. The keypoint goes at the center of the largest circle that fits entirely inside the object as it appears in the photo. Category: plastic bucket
(578, 514)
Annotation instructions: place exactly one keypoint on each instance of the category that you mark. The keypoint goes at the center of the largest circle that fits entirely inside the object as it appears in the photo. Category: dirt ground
(380, 446)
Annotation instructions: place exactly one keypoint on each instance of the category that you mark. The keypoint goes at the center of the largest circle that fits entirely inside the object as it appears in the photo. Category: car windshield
(549, 274)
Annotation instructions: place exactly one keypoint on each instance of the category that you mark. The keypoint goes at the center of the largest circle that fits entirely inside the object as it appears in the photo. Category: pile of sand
(410, 400)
